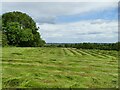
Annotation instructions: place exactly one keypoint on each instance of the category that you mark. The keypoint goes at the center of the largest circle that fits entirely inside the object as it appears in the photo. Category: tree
(20, 29)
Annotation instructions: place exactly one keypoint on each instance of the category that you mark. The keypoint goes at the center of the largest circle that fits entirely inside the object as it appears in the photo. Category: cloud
(46, 12)
(50, 20)
(82, 31)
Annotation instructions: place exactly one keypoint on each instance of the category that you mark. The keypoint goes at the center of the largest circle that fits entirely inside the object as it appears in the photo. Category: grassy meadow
(44, 67)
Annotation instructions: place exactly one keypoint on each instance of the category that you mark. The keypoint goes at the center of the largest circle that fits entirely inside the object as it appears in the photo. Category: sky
(71, 22)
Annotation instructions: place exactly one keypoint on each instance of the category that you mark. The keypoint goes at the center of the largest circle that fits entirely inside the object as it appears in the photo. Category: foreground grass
(59, 68)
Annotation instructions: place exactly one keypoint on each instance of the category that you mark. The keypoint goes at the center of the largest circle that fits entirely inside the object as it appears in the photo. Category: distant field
(59, 68)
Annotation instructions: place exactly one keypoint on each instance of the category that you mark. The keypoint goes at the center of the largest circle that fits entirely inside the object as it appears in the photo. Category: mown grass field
(59, 68)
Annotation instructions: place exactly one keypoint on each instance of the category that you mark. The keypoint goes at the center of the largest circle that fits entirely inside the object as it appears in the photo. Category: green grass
(0, 36)
(59, 68)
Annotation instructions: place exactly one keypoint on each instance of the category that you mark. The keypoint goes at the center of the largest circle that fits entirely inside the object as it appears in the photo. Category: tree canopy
(19, 29)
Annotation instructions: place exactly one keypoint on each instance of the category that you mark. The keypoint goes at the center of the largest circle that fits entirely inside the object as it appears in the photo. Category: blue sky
(72, 22)
(107, 14)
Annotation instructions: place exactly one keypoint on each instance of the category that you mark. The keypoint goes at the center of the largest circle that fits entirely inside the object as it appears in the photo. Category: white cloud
(39, 10)
(83, 31)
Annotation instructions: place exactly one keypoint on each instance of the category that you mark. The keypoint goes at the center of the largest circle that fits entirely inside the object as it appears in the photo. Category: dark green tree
(20, 29)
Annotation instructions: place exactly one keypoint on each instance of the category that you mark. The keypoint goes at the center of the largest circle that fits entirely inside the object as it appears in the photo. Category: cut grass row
(58, 67)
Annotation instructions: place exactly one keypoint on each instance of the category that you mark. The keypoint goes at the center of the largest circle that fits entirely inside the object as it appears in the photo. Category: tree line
(100, 46)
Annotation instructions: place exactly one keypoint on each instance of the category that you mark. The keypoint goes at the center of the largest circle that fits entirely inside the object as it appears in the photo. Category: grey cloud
(49, 20)
(97, 22)
(95, 33)
(90, 33)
